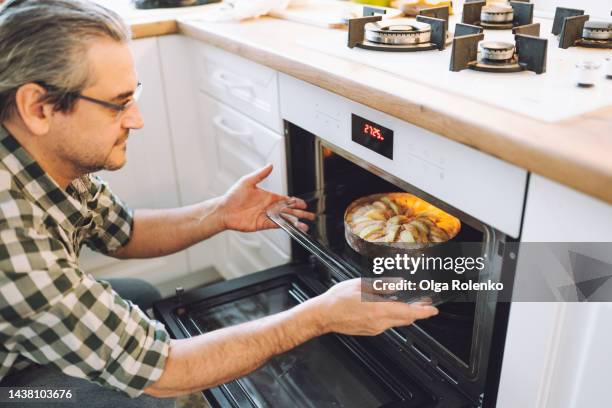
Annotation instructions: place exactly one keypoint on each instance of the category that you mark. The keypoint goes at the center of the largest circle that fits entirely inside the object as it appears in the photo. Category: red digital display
(372, 131)
(372, 135)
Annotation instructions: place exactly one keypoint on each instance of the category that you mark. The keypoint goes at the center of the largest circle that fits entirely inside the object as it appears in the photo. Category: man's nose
(133, 118)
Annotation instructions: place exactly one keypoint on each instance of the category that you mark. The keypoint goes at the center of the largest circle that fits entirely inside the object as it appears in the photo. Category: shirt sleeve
(112, 220)
(54, 314)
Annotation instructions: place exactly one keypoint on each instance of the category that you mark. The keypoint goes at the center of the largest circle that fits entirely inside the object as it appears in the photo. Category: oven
(450, 360)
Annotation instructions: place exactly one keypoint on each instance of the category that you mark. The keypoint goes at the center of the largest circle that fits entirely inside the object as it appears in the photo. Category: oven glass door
(328, 371)
(320, 373)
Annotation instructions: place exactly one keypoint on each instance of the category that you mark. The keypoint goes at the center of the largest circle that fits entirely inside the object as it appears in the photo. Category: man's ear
(35, 114)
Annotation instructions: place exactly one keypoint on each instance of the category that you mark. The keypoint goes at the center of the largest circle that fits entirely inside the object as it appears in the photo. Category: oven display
(372, 135)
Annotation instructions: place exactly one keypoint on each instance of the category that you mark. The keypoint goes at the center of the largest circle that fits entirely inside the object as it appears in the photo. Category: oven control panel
(471, 181)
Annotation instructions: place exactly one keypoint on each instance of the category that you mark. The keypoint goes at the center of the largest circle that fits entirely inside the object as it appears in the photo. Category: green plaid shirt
(52, 312)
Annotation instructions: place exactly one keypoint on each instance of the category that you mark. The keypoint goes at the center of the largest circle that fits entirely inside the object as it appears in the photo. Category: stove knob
(587, 73)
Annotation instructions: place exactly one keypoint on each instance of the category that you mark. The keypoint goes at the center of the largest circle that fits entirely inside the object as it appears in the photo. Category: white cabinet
(557, 354)
(240, 83)
(243, 146)
(240, 126)
(252, 253)
(215, 145)
(148, 179)
(192, 142)
(556, 213)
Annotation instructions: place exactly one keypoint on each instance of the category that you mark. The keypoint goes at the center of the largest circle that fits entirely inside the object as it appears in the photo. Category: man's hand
(342, 310)
(243, 207)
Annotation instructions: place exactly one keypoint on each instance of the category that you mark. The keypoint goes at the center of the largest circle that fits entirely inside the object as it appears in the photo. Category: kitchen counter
(575, 151)
(150, 23)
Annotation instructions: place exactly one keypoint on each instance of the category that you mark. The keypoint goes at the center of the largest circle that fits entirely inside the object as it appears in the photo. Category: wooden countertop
(153, 22)
(576, 152)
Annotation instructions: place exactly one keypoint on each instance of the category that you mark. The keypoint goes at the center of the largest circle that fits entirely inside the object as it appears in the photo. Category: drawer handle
(222, 78)
(220, 123)
(253, 244)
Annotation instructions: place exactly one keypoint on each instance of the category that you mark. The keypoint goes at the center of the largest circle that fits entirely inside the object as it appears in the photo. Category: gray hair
(45, 42)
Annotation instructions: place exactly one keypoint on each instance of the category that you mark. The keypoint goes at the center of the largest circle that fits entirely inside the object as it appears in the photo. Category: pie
(399, 217)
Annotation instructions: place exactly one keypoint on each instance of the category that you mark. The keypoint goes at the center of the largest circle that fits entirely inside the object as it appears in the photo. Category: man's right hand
(342, 310)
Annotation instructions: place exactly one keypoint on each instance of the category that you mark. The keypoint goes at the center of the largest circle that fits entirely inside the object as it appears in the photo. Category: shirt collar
(68, 210)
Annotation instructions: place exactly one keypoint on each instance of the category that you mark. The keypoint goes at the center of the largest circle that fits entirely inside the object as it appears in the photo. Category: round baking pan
(451, 226)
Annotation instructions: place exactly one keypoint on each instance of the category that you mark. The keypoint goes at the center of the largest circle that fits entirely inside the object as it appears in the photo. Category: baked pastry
(399, 217)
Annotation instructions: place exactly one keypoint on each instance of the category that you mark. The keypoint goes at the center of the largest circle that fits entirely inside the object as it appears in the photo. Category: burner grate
(498, 16)
(401, 35)
(576, 30)
(528, 53)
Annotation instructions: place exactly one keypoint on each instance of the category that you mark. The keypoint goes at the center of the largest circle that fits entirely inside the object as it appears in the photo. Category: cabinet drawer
(243, 145)
(249, 253)
(248, 87)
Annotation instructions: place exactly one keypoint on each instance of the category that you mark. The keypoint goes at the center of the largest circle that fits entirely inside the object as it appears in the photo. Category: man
(68, 93)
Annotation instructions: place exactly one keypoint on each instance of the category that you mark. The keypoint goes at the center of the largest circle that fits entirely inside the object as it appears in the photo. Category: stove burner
(597, 30)
(500, 13)
(575, 29)
(398, 32)
(496, 50)
(527, 54)
(497, 16)
(424, 33)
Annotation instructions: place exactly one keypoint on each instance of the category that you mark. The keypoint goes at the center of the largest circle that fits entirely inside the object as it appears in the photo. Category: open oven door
(329, 371)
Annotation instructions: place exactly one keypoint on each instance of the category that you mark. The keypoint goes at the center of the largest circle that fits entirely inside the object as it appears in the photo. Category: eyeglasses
(119, 109)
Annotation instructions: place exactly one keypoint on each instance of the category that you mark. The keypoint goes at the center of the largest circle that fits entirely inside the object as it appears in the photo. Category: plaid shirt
(52, 312)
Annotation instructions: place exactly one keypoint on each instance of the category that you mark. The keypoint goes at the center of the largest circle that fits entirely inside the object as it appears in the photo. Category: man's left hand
(244, 205)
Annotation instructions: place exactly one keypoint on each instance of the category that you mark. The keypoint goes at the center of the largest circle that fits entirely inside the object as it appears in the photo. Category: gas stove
(577, 30)
(429, 31)
(518, 90)
(527, 53)
(502, 16)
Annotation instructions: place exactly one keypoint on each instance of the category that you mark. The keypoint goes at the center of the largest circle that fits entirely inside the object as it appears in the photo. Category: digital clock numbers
(375, 132)
(372, 135)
